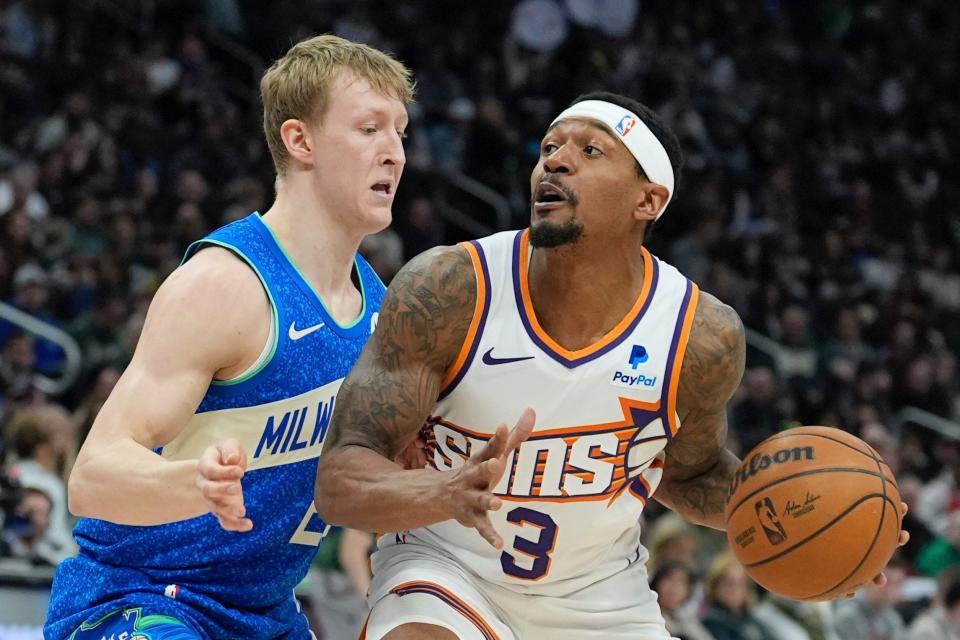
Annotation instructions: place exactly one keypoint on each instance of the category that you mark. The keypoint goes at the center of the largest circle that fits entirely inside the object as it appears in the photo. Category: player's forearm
(702, 498)
(126, 483)
(359, 488)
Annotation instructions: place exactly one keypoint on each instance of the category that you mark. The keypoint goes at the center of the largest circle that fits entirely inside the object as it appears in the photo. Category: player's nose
(393, 152)
(559, 161)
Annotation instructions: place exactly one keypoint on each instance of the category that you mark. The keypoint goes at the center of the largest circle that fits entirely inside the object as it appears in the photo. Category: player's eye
(592, 151)
(548, 148)
(403, 134)
(369, 129)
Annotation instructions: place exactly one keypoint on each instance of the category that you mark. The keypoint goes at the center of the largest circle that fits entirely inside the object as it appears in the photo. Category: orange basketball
(813, 513)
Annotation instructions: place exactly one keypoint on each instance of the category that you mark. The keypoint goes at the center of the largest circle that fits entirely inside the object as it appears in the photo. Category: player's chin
(377, 216)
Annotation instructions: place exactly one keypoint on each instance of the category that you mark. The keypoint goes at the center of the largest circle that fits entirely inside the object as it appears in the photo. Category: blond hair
(297, 86)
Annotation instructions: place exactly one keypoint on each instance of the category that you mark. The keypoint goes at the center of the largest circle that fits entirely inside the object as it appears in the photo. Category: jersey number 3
(539, 550)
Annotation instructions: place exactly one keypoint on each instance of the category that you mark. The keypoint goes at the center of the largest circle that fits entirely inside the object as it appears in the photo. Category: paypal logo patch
(638, 355)
(622, 379)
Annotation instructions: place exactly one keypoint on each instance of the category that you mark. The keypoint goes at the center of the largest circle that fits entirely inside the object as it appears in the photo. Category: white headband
(634, 134)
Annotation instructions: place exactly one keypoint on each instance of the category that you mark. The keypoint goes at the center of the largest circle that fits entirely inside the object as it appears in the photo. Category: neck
(583, 290)
(321, 247)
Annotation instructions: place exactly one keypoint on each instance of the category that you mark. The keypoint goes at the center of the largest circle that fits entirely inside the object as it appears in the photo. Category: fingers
(212, 467)
(485, 528)
(522, 430)
(904, 507)
(219, 473)
(230, 523)
(880, 579)
(503, 442)
(231, 452)
(904, 538)
(496, 446)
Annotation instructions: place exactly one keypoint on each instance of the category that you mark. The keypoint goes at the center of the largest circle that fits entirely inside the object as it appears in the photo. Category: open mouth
(384, 188)
(548, 193)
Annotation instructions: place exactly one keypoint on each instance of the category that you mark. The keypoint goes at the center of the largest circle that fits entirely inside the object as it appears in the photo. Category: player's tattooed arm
(394, 385)
(698, 467)
(385, 400)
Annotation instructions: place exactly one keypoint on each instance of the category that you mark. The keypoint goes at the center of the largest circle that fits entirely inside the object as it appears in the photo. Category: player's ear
(298, 141)
(652, 198)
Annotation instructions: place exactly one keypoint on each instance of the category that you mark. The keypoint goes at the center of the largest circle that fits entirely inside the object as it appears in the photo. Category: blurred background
(820, 198)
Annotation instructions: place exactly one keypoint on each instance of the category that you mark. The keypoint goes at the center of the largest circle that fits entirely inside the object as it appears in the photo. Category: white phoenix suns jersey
(574, 491)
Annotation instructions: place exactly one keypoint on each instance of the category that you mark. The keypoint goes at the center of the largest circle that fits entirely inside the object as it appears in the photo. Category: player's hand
(219, 471)
(881, 578)
(469, 491)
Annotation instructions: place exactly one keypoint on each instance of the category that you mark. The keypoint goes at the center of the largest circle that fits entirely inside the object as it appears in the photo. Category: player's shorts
(135, 624)
(414, 582)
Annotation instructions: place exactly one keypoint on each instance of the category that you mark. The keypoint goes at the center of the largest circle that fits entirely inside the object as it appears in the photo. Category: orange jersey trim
(473, 333)
(674, 382)
(606, 340)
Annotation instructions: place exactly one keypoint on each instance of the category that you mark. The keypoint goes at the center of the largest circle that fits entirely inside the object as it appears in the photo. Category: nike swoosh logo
(489, 359)
(296, 334)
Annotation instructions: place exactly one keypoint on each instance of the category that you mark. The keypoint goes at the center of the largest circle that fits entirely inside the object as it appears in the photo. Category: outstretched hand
(470, 488)
(219, 471)
(881, 578)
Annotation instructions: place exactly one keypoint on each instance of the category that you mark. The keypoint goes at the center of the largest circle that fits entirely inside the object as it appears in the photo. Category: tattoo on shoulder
(423, 322)
(712, 368)
(714, 360)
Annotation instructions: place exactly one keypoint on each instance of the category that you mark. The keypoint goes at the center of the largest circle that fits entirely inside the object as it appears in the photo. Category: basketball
(813, 513)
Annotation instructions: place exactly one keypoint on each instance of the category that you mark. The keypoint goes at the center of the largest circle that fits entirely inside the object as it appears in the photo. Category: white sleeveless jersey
(574, 491)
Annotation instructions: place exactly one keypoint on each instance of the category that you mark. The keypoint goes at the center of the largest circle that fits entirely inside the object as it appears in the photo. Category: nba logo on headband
(626, 124)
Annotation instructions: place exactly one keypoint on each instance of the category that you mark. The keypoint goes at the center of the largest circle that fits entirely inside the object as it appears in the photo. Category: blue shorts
(134, 624)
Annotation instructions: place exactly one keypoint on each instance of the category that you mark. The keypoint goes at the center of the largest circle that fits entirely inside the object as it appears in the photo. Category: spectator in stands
(24, 530)
(673, 583)
(730, 597)
(37, 466)
(672, 539)
(872, 612)
(17, 365)
(787, 619)
(943, 552)
(941, 496)
(31, 286)
(942, 620)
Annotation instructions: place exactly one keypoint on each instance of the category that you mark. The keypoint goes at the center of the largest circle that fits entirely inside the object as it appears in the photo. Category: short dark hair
(654, 122)
(27, 433)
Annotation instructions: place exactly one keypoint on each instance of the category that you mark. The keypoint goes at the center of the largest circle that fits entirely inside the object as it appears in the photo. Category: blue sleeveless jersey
(230, 584)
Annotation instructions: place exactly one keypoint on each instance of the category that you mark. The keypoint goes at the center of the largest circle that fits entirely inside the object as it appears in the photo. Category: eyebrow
(590, 123)
(379, 112)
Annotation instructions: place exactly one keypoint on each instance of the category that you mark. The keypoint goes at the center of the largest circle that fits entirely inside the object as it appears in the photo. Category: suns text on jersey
(582, 463)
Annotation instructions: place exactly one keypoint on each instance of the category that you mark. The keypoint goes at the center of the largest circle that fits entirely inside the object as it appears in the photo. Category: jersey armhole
(273, 339)
(468, 349)
(688, 309)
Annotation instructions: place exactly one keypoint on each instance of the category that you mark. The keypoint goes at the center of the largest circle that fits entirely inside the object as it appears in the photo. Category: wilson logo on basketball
(760, 462)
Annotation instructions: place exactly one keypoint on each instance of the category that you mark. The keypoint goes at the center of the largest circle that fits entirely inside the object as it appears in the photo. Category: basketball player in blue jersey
(194, 483)
(534, 533)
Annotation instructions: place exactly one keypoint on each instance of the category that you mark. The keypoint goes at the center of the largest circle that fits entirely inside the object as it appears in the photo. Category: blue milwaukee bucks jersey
(231, 584)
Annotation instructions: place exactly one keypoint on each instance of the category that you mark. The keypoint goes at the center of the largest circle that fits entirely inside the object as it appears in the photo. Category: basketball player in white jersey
(534, 533)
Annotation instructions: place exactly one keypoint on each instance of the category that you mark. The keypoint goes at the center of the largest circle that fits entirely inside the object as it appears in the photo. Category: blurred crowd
(819, 198)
